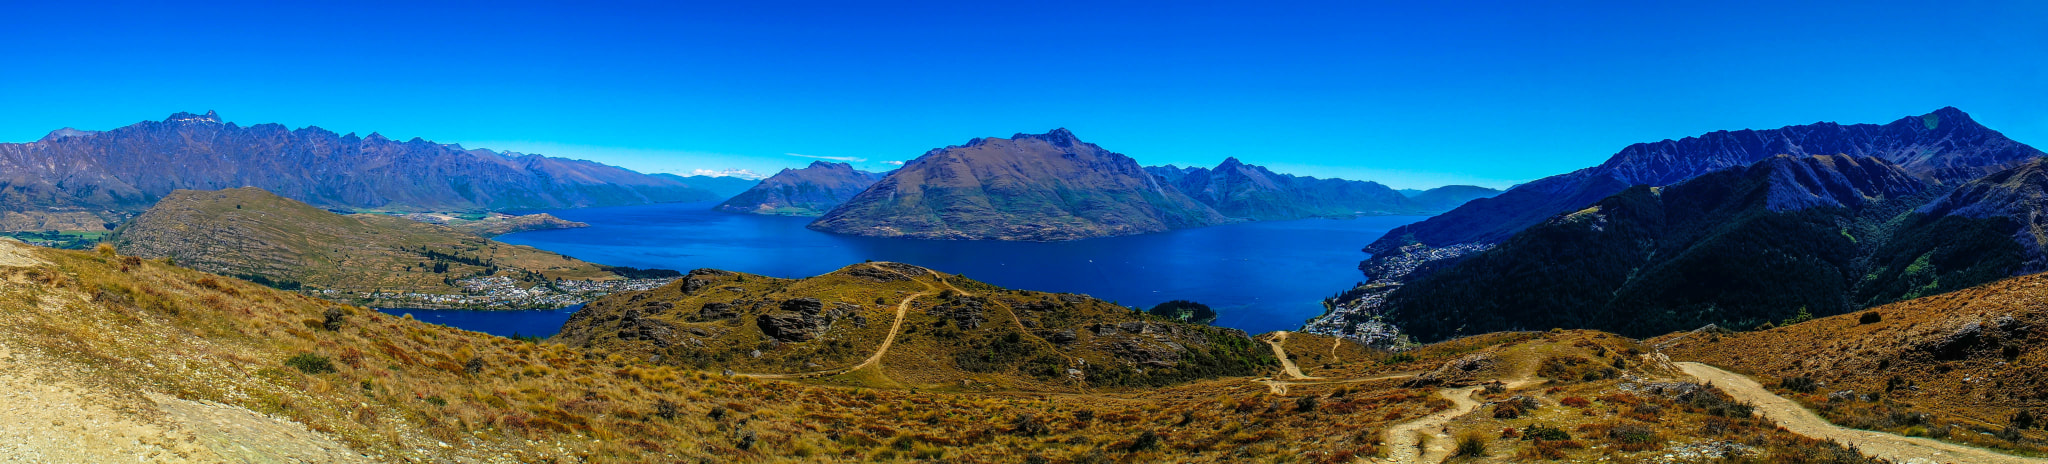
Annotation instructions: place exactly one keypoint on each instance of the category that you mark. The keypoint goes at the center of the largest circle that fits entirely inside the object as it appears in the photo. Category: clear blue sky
(1411, 94)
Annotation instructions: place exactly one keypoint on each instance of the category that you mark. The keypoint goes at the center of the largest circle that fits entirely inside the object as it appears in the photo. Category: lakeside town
(1355, 314)
(495, 293)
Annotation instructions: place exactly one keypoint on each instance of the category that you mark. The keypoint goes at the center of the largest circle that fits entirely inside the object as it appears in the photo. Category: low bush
(1471, 445)
(310, 363)
(1802, 384)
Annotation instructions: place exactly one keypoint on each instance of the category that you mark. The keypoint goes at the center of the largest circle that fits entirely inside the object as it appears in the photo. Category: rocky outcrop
(810, 191)
(129, 168)
(804, 319)
(1041, 187)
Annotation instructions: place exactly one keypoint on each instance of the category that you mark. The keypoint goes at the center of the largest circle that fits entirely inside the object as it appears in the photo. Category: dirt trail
(1286, 365)
(1791, 416)
(902, 309)
(1405, 443)
(44, 418)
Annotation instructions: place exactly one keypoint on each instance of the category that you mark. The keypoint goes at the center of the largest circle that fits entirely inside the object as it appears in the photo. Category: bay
(1259, 276)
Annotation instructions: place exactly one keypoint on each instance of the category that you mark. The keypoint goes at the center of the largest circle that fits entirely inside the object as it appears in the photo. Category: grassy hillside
(135, 341)
(1959, 366)
(369, 259)
(954, 333)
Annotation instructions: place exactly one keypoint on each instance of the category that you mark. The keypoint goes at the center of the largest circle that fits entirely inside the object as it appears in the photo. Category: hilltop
(810, 191)
(81, 179)
(365, 258)
(169, 364)
(940, 331)
(1040, 187)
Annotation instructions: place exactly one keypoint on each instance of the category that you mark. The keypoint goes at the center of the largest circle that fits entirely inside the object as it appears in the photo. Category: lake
(539, 323)
(1259, 276)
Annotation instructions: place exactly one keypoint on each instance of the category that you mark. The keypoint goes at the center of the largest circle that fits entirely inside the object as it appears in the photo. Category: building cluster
(499, 293)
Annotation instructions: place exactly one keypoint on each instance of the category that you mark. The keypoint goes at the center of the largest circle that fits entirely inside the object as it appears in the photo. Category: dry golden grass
(1957, 366)
(402, 389)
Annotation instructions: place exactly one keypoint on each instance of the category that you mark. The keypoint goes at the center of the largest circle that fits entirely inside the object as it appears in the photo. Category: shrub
(1632, 437)
(1472, 445)
(2024, 420)
(310, 363)
(1802, 384)
(1575, 402)
(2009, 433)
(1871, 317)
(1398, 358)
(1545, 433)
(333, 319)
(1028, 425)
(1306, 404)
(1507, 410)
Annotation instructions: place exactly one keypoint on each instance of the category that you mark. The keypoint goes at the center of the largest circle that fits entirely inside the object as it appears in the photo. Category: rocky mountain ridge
(1736, 247)
(1245, 191)
(1945, 146)
(125, 170)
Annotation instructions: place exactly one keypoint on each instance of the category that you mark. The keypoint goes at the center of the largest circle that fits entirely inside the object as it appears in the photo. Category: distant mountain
(1945, 146)
(125, 170)
(1048, 186)
(1737, 247)
(721, 186)
(1246, 191)
(259, 236)
(1449, 197)
(1410, 193)
(810, 191)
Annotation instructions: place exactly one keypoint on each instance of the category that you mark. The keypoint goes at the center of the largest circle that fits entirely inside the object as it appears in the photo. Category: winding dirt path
(902, 309)
(1286, 365)
(1405, 442)
(1791, 416)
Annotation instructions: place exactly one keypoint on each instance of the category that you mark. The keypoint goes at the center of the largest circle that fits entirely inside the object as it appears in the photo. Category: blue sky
(1408, 95)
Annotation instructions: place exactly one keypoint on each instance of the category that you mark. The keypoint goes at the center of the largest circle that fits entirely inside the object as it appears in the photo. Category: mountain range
(112, 174)
(1244, 191)
(1053, 186)
(1737, 247)
(810, 191)
(1945, 146)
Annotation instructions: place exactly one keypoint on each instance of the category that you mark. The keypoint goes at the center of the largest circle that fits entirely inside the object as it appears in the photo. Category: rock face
(130, 168)
(1736, 247)
(1945, 146)
(1246, 191)
(810, 191)
(1041, 187)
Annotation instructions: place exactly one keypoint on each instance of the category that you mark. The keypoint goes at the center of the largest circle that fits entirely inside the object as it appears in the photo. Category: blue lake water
(1259, 276)
(538, 323)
